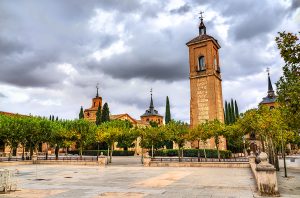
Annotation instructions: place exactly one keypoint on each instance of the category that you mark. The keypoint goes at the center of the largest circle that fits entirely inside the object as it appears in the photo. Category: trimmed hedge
(210, 153)
(94, 152)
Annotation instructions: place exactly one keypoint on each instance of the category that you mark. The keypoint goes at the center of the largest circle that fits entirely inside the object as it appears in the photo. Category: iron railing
(195, 159)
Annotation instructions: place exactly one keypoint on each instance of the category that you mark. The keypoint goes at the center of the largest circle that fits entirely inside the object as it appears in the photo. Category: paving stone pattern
(127, 178)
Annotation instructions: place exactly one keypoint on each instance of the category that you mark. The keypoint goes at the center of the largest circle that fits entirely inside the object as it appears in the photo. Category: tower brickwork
(206, 101)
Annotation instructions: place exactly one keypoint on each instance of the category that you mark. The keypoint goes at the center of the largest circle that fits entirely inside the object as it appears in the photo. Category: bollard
(266, 177)
(102, 160)
(147, 159)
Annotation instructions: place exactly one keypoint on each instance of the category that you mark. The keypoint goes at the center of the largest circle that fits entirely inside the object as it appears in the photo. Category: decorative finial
(151, 91)
(268, 71)
(97, 87)
(201, 17)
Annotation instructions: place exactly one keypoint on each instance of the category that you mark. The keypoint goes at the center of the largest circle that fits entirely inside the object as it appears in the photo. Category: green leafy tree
(84, 132)
(226, 113)
(236, 109)
(110, 132)
(215, 129)
(98, 116)
(168, 111)
(232, 112)
(105, 113)
(199, 134)
(153, 138)
(81, 114)
(178, 132)
(288, 86)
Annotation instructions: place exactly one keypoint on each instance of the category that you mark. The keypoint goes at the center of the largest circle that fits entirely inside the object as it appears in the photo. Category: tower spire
(151, 101)
(202, 28)
(97, 87)
(270, 87)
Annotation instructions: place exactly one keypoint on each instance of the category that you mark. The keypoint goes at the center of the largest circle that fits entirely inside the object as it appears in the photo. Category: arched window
(201, 63)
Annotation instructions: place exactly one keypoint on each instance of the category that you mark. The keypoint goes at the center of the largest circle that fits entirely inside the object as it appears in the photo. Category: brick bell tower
(206, 102)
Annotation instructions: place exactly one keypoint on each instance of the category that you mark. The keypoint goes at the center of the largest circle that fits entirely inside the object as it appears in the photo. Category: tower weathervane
(201, 16)
(268, 70)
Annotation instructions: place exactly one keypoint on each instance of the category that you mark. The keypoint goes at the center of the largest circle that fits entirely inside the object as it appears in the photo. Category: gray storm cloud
(133, 40)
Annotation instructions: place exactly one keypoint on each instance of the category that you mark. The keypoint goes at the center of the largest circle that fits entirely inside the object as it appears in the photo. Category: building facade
(90, 113)
(152, 115)
(206, 101)
(270, 99)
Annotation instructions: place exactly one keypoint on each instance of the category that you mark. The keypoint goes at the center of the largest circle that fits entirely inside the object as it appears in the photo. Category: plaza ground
(127, 178)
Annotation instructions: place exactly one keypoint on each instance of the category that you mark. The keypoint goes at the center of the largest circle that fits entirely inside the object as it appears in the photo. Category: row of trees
(268, 125)
(231, 112)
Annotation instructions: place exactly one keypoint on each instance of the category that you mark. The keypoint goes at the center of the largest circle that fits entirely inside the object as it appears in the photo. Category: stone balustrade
(265, 175)
(7, 181)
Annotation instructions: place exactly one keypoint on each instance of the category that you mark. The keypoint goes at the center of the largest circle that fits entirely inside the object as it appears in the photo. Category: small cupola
(202, 28)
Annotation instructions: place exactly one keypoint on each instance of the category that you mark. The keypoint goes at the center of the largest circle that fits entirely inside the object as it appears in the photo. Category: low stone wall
(102, 161)
(15, 163)
(265, 176)
(65, 162)
(201, 164)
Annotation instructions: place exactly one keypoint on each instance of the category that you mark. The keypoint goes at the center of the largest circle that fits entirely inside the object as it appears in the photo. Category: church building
(206, 102)
(90, 114)
(270, 99)
(151, 114)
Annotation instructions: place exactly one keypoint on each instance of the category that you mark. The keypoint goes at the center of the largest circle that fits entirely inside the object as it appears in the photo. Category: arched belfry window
(201, 63)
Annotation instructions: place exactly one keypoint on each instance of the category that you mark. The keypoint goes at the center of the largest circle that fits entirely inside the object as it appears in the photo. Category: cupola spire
(151, 101)
(270, 87)
(202, 28)
(97, 87)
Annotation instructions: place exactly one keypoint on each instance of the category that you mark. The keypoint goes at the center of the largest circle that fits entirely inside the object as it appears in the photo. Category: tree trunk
(81, 150)
(152, 152)
(56, 152)
(108, 153)
(47, 151)
(198, 150)
(262, 144)
(15, 150)
(142, 159)
(271, 153)
(30, 150)
(276, 161)
(23, 151)
(179, 154)
(218, 152)
(111, 152)
(205, 152)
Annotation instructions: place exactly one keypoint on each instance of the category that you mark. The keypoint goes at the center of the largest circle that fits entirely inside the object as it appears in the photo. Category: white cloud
(116, 48)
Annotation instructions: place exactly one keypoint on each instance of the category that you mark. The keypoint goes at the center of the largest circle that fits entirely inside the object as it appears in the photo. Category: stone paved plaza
(127, 178)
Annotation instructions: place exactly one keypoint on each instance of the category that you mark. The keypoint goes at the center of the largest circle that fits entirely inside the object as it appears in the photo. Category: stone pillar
(34, 158)
(251, 157)
(147, 159)
(266, 177)
(102, 160)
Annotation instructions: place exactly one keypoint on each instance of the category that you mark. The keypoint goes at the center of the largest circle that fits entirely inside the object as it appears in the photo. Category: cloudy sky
(53, 53)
